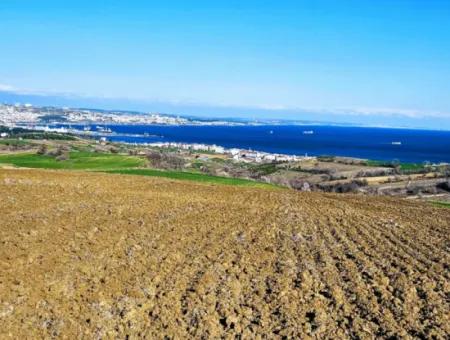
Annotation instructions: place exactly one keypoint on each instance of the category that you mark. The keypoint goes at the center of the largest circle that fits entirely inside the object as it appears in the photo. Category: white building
(218, 149)
(234, 151)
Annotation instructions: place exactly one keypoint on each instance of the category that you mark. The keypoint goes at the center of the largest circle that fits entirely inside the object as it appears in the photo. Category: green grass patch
(371, 162)
(219, 160)
(76, 161)
(264, 169)
(403, 166)
(411, 167)
(46, 136)
(441, 204)
(117, 164)
(14, 142)
(191, 176)
(196, 164)
(326, 158)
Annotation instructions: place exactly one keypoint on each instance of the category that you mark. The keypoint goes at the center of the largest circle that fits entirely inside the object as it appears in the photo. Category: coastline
(293, 140)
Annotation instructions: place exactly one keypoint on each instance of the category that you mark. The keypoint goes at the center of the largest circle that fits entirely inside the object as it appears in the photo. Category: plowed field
(86, 255)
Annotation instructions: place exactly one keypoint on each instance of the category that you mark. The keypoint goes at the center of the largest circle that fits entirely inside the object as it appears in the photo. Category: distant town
(12, 115)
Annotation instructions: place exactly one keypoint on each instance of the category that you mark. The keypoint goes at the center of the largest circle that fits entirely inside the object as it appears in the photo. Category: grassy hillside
(191, 176)
(115, 163)
(92, 255)
(441, 204)
(402, 166)
(76, 161)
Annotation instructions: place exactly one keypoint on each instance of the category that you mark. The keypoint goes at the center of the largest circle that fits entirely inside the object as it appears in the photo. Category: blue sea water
(373, 143)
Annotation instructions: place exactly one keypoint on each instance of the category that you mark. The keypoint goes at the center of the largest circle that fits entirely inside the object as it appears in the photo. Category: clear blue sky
(368, 57)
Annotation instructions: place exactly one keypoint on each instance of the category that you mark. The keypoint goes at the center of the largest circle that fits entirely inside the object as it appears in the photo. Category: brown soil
(110, 256)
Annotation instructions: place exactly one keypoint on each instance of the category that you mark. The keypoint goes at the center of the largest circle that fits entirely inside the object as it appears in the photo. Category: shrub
(375, 172)
(300, 185)
(165, 160)
(61, 150)
(346, 187)
(42, 150)
(63, 157)
(113, 149)
(444, 185)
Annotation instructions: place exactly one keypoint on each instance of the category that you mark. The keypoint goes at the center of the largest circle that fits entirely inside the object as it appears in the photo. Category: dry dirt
(111, 256)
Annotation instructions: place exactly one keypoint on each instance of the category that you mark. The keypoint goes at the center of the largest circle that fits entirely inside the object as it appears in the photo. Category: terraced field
(90, 255)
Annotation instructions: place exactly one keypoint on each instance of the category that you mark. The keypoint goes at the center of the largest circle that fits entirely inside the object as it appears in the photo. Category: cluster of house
(188, 146)
(235, 153)
(10, 115)
(121, 118)
(260, 157)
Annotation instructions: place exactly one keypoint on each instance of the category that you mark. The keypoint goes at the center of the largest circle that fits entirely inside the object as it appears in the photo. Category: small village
(236, 154)
(31, 115)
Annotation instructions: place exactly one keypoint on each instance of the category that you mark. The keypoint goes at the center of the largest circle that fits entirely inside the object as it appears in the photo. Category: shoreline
(404, 154)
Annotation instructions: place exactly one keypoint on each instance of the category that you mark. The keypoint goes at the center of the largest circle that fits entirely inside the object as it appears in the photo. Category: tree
(42, 150)
(299, 184)
(113, 149)
(61, 150)
(165, 160)
(62, 157)
(174, 162)
(155, 158)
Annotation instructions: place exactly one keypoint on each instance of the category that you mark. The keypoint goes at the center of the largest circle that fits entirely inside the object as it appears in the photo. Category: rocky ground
(85, 255)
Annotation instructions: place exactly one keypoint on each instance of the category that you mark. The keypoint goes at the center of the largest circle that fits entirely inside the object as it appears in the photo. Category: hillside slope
(105, 256)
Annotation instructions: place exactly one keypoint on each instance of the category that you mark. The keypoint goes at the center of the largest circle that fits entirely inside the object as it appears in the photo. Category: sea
(386, 144)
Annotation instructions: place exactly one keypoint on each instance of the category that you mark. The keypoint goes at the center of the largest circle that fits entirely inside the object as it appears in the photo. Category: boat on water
(308, 132)
(396, 143)
(103, 129)
(271, 132)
